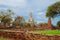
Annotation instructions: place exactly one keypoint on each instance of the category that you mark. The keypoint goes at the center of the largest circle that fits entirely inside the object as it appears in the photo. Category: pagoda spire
(30, 17)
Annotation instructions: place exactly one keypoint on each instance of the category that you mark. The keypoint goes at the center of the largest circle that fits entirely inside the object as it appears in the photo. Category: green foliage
(53, 10)
(19, 21)
(58, 23)
(28, 24)
(5, 16)
(7, 12)
(16, 23)
(6, 19)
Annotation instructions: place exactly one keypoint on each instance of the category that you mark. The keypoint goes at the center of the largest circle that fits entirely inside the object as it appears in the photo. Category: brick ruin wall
(28, 36)
(40, 27)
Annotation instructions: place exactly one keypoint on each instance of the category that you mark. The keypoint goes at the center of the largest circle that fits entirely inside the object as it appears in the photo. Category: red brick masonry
(21, 35)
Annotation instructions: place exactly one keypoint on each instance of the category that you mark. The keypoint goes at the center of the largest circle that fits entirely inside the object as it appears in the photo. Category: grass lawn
(1, 38)
(41, 31)
(47, 31)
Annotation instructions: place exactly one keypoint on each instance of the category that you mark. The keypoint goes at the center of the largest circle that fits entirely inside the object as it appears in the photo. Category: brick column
(49, 23)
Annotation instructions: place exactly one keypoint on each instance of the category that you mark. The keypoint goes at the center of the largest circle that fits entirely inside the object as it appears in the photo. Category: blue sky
(24, 7)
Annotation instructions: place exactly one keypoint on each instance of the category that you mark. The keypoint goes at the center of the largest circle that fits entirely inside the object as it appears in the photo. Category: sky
(24, 7)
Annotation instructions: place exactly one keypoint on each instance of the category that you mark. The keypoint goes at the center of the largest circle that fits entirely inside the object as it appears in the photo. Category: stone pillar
(49, 23)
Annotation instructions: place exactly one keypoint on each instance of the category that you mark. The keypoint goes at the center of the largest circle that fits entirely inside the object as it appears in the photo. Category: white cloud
(40, 13)
(41, 17)
(13, 3)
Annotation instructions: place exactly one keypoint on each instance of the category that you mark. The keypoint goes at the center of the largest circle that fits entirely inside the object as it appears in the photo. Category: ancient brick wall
(28, 36)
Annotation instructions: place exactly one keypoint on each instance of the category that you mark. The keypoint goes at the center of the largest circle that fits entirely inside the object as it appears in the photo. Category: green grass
(1, 38)
(47, 31)
(42, 31)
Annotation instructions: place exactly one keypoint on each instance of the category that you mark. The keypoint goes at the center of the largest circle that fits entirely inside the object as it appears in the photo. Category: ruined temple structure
(41, 26)
(50, 26)
(30, 20)
(45, 26)
(22, 20)
(19, 19)
(30, 17)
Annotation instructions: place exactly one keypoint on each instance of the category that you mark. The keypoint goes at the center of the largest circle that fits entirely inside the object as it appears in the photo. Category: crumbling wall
(28, 36)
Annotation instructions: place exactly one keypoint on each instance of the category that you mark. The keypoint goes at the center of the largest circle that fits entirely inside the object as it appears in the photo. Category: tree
(5, 16)
(22, 21)
(9, 12)
(6, 19)
(19, 21)
(53, 10)
(58, 23)
(16, 22)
